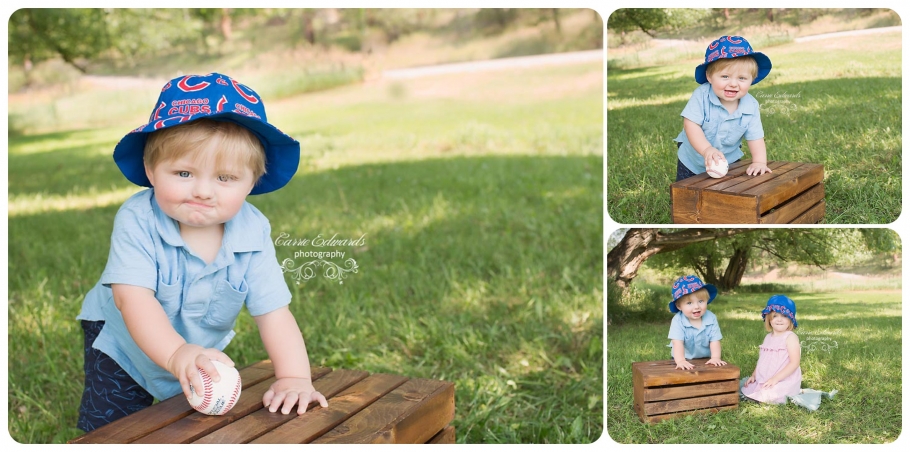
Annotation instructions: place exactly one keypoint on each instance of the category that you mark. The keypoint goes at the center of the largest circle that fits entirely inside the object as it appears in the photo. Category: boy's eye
(226, 178)
(183, 173)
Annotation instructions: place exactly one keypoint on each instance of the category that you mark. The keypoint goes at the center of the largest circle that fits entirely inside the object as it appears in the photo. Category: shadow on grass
(850, 125)
(470, 265)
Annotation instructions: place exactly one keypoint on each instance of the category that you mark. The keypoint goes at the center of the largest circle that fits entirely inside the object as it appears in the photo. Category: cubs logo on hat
(689, 284)
(781, 305)
(217, 97)
(732, 47)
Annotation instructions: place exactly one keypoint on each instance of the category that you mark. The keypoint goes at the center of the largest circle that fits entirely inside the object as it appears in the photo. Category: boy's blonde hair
(773, 314)
(746, 62)
(684, 297)
(237, 145)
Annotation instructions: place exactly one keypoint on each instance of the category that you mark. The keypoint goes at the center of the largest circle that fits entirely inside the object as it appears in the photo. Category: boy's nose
(202, 189)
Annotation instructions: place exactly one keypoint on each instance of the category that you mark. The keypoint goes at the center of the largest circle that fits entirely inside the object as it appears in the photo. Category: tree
(721, 256)
(72, 34)
(649, 20)
(639, 245)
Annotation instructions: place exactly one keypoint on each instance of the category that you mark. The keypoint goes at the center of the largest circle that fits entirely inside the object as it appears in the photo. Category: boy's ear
(148, 174)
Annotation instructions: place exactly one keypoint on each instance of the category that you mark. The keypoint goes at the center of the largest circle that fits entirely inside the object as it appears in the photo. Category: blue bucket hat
(217, 97)
(732, 47)
(686, 285)
(781, 305)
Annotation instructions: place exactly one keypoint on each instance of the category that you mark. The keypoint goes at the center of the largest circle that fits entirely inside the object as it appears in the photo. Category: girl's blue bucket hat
(732, 47)
(686, 285)
(781, 305)
(217, 97)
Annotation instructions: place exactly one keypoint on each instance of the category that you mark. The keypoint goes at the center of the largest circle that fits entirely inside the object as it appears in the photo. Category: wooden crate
(792, 193)
(660, 391)
(363, 408)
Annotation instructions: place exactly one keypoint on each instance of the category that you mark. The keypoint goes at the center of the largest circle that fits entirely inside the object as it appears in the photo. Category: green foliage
(652, 19)
(73, 34)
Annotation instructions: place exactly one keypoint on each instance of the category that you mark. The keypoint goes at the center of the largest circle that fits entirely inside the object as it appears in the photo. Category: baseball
(717, 170)
(216, 398)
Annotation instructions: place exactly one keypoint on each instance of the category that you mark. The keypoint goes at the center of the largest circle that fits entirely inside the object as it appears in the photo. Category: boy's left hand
(716, 362)
(756, 168)
(290, 391)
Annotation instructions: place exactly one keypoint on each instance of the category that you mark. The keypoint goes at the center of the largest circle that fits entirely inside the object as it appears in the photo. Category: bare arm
(759, 157)
(284, 343)
(715, 354)
(150, 328)
(697, 139)
(679, 355)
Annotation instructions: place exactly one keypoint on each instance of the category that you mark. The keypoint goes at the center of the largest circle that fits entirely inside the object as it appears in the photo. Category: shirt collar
(241, 233)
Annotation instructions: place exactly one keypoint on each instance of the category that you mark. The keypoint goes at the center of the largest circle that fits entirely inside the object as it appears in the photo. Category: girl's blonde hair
(237, 145)
(771, 315)
(746, 62)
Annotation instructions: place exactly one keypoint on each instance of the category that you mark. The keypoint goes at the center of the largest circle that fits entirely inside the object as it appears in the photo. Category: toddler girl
(777, 374)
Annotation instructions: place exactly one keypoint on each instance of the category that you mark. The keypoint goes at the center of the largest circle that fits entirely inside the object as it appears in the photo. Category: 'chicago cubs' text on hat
(685, 285)
(732, 47)
(217, 97)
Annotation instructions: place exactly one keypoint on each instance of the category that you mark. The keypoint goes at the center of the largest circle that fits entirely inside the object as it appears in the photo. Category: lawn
(842, 110)
(861, 331)
(480, 201)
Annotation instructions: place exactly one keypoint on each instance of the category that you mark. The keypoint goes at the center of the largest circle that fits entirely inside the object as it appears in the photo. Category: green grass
(861, 329)
(482, 263)
(844, 113)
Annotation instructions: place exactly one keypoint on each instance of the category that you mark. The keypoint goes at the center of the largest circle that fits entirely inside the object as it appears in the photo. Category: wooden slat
(262, 421)
(161, 414)
(196, 425)
(690, 390)
(446, 436)
(811, 216)
(694, 403)
(664, 372)
(795, 207)
(313, 424)
(410, 414)
(741, 181)
(778, 191)
(724, 208)
(662, 417)
(683, 204)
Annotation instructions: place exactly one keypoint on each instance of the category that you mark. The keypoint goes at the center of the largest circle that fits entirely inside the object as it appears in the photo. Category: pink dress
(772, 357)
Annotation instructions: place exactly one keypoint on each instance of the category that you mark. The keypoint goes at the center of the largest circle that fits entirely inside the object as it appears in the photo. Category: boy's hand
(716, 362)
(290, 391)
(187, 358)
(713, 154)
(684, 365)
(757, 168)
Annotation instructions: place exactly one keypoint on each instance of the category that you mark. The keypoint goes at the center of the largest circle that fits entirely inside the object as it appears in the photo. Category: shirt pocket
(734, 135)
(710, 130)
(169, 296)
(225, 305)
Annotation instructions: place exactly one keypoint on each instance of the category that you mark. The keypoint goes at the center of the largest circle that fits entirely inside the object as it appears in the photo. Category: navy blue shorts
(110, 393)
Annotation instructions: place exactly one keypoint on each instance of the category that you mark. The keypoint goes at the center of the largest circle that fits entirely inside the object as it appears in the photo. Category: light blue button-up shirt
(697, 341)
(725, 131)
(202, 301)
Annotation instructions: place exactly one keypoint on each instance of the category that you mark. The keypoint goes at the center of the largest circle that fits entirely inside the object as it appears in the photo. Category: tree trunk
(736, 268)
(770, 14)
(555, 12)
(727, 13)
(226, 31)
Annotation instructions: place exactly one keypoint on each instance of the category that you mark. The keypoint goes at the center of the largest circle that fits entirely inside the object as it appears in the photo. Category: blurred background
(464, 145)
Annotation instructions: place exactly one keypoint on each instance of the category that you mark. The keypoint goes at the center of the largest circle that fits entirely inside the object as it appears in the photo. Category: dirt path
(497, 64)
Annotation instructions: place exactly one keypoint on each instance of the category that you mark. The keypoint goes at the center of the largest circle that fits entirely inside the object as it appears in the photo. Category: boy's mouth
(696, 313)
(729, 93)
